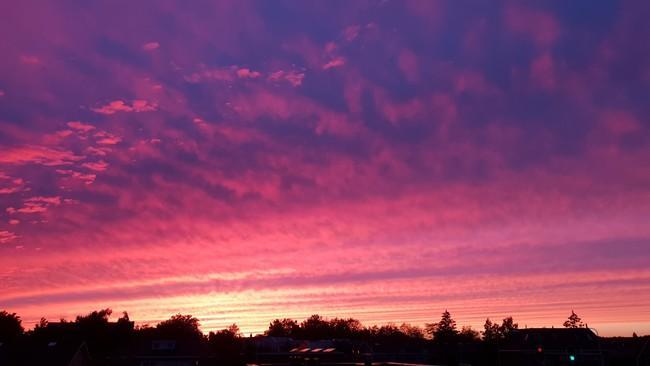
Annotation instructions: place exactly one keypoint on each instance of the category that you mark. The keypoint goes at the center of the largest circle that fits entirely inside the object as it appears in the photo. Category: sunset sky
(384, 160)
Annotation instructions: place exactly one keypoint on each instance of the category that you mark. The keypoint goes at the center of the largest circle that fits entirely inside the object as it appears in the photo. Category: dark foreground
(93, 340)
(60, 346)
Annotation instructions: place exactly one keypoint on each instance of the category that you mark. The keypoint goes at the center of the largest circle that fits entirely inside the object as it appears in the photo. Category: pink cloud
(540, 26)
(55, 200)
(99, 151)
(30, 60)
(37, 155)
(265, 103)
(408, 65)
(294, 78)
(543, 72)
(9, 185)
(620, 122)
(445, 109)
(199, 122)
(245, 73)
(137, 105)
(7, 236)
(5, 190)
(350, 33)
(150, 46)
(400, 112)
(330, 47)
(474, 40)
(105, 138)
(32, 207)
(80, 126)
(218, 74)
(36, 204)
(14, 222)
(311, 52)
(337, 62)
(467, 81)
(98, 166)
(283, 107)
(223, 74)
(64, 133)
(85, 178)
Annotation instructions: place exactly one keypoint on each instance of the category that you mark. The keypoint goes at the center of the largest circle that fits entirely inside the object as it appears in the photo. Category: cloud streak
(115, 106)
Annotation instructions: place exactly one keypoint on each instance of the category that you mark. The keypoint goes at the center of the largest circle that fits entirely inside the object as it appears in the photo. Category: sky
(384, 160)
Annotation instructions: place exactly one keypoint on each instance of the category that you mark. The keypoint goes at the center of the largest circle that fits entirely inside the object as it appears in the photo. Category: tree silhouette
(388, 331)
(10, 326)
(107, 340)
(507, 326)
(315, 327)
(283, 328)
(228, 335)
(468, 335)
(231, 332)
(491, 332)
(444, 330)
(573, 321)
(180, 326)
(345, 328)
(226, 344)
(42, 324)
(93, 322)
(412, 331)
(234, 330)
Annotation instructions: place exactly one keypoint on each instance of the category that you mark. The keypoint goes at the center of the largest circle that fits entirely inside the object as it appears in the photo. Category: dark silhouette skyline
(104, 342)
(312, 328)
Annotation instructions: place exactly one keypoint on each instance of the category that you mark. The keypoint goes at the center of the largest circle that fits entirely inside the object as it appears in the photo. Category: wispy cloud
(294, 78)
(9, 185)
(36, 204)
(86, 178)
(337, 62)
(7, 236)
(30, 60)
(150, 46)
(246, 73)
(115, 106)
(105, 138)
(37, 155)
(98, 166)
(223, 74)
(80, 126)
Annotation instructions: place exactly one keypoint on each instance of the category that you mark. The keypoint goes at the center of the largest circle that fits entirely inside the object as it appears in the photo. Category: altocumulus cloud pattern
(385, 160)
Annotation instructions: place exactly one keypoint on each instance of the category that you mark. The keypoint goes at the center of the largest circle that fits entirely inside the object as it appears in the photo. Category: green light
(572, 358)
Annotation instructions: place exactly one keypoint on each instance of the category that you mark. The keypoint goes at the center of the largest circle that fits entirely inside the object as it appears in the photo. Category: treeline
(445, 330)
(121, 342)
(113, 340)
(313, 328)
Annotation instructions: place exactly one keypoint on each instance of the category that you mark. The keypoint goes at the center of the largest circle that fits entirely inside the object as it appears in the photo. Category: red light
(539, 349)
